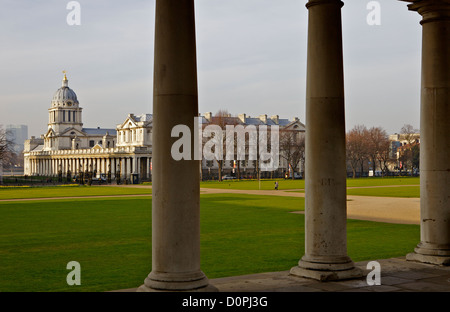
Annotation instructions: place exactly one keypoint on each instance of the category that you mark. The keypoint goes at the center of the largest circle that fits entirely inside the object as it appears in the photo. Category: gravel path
(371, 208)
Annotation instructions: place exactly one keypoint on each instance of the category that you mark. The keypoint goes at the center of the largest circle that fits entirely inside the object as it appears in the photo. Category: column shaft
(434, 246)
(176, 188)
(325, 189)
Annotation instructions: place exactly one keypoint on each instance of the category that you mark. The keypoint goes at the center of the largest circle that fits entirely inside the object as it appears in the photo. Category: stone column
(434, 246)
(325, 189)
(135, 162)
(176, 185)
(150, 167)
(127, 167)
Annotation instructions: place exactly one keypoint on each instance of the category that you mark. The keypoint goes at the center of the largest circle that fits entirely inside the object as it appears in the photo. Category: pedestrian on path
(276, 185)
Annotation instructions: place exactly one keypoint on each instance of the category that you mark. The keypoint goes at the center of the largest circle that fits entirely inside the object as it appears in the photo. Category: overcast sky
(251, 59)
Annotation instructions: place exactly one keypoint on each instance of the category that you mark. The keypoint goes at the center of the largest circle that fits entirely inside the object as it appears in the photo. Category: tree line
(371, 149)
(8, 157)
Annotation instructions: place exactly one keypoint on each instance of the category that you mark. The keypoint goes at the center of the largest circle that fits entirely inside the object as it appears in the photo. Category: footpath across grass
(111, 239)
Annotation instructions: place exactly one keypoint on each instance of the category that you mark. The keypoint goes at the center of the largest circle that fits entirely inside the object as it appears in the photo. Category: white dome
(65, 96)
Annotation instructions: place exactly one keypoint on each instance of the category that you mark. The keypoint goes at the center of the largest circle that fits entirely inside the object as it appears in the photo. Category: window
(73, 116)
(64, 116)
(91, 143)
(68, 113)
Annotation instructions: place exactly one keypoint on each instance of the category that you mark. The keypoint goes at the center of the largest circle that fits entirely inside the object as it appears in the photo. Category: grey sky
(251, 59)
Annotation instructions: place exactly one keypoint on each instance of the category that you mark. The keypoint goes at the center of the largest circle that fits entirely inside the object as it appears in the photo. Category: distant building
(69, 148)
(398, 140)
(17, 134)
(248, 168)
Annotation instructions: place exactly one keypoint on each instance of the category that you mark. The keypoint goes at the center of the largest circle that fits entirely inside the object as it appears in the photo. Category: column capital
(318, 2)
(431, 10)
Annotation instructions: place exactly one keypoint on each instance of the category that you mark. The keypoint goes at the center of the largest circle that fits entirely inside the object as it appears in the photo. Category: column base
(341, 269)
(430, 253)
(190, 282)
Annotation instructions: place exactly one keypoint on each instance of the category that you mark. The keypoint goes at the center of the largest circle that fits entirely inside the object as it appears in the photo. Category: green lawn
(400, 191)
(289, 184)
(254, 184)
(111, 239)
(378, 181)
(73, 191)
(69, 191)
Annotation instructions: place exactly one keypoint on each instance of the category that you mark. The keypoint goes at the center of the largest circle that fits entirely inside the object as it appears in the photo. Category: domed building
(69, 148)
(125, 151)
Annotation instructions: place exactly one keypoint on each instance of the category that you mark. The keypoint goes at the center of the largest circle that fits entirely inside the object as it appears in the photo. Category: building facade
(291, 148)
(69, 149)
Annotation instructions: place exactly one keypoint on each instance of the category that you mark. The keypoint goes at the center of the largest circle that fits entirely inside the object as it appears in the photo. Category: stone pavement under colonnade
(397, 275)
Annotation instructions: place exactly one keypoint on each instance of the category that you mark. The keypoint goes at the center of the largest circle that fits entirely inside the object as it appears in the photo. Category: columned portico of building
(325, 183)
(434, 246)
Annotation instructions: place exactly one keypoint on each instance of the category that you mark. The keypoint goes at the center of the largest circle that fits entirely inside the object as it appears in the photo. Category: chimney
(208, 116)
(242, 117)
(276, 119)
(263, 118)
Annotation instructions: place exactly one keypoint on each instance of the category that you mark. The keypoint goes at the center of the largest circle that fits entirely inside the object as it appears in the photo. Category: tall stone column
(325, 189)
(434, 246)
(176, 185)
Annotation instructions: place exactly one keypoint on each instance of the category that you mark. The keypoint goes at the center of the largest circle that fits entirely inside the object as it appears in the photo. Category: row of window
(71, 116)
(131, 135)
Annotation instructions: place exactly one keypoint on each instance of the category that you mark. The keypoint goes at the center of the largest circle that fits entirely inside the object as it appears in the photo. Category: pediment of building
(73, 132)
(97, 147)
(50, 133)
(295, 125)
(127, 124)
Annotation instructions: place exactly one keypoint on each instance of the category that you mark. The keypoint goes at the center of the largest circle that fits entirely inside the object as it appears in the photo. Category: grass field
(111, 238)
(400, 191)
(69, 191)
(288, 184)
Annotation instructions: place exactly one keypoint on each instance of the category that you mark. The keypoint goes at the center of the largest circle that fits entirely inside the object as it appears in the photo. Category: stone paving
(397, 275)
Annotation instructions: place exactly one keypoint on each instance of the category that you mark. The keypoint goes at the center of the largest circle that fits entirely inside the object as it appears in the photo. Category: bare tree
(222, 118)
(292, 148)
(6, 146)
(384, 157)
(377, 147)
(409, 133)
(409, 154)
(6, 153)
(356, 147)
